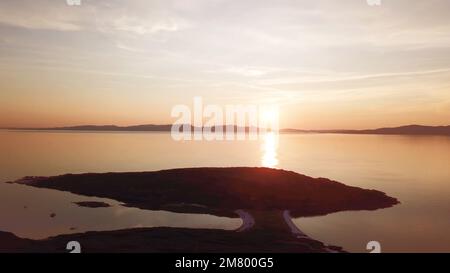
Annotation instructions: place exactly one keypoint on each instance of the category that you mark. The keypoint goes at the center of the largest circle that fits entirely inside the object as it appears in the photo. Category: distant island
(402, 130)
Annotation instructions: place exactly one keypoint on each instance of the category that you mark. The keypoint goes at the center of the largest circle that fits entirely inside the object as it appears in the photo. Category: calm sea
(414, 169)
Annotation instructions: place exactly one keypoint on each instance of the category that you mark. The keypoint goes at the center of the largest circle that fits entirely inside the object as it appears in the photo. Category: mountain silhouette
(402, 130)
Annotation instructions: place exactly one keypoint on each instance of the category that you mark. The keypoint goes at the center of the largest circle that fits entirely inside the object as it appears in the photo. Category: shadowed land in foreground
(164, 239)
(267, 196)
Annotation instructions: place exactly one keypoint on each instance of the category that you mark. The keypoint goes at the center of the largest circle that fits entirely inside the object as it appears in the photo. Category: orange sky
(327, 64)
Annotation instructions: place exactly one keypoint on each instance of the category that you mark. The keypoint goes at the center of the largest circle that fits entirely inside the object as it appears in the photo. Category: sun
(269, 118)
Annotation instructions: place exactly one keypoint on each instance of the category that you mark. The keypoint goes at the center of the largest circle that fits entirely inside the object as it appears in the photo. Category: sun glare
(269, 148)
(269, 118)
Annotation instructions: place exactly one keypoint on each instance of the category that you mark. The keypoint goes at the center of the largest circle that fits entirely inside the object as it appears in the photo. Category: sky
(328, 64)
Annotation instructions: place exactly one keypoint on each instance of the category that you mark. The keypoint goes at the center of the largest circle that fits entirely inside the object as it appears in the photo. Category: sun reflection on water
(269, 148)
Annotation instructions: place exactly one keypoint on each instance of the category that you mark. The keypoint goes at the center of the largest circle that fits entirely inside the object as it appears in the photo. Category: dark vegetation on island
(262, 192)
(220, 191)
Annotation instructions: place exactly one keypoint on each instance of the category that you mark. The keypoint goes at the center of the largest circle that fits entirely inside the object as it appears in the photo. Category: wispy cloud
(323, 53)
(342, 78)
(139, 26)
(38, 15)
(101, 16)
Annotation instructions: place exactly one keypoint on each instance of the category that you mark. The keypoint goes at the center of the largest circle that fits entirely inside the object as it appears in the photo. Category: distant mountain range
(402, 130)
(137, 128)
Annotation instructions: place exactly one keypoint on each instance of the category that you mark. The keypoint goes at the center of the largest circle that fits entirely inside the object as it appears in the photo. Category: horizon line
(68, 127)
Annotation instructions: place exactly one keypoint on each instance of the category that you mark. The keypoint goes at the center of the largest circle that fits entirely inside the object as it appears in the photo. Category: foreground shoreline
(264, 236)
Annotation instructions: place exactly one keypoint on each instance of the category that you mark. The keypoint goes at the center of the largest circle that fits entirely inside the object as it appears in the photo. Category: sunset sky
(329, 64)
